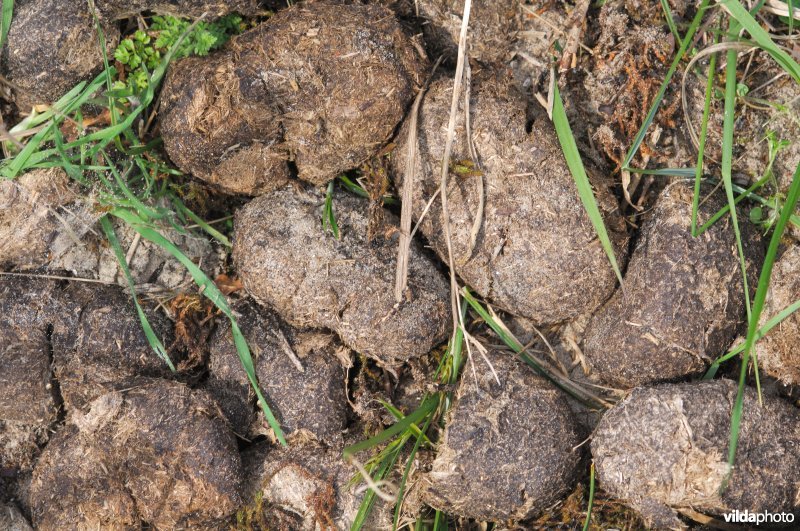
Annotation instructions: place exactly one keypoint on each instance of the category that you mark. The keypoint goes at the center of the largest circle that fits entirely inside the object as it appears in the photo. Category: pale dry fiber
(299, 370)
(492, 27)
(52, 45)
(683, 301)
(306, 487)
(287, 261)
(321, 84)
(156, 453)
(46, 223)
(778, 352)
(119, 9)
(536, 254)
(509, 449)
(665, 448)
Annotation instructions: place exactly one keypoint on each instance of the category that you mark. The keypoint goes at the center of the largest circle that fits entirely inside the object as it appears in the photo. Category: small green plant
(141, 53)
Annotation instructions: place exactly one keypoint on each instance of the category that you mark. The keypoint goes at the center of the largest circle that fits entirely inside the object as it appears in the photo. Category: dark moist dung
(321, 84)
(299, 372)
(119, 9)
(156, 453)
(492, 27)
(683, 301)
(536, 254)
(28, 405)
(509, 450)
(287, 260)
(99, 345)
(52, 45)
(666, 447)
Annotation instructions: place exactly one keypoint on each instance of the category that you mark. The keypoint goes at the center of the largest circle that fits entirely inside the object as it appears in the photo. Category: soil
(682, 304)
(12, 520)
(300, 371)
(51, 46)
(327, 98)
(155, 453)
(536, 254)
(515, 433)
(346, 285)
(665, 448)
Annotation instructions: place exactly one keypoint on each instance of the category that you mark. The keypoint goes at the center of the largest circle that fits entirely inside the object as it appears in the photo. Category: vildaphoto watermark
(747, 517)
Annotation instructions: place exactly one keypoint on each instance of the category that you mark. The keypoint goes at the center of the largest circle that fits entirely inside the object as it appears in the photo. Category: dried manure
(288, 262)
(321, 84)
(536, 253)
(298, 370)
(666, 448)
(683, 301)
(509, 450)
(156, 453)
(51, 46)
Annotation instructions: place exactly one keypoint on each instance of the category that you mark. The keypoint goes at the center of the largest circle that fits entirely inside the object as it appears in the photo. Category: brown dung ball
(119, 9)
(98, 343)
(327, 97)
(52, 45)
(155, 452)
(492, 26)
(666, 447)
(683, 297)
(778, 352)
(287, 261)
(298, 371)
(509, 450)
(536, 253)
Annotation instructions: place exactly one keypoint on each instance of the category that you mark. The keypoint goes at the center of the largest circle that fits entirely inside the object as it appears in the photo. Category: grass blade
(407, 471)
(573, 157)
(5, 22)
(428, 405)
(328, 215)
(758, 306)
(210, 291)
(746, 20)
(591, 499)
(155, 343)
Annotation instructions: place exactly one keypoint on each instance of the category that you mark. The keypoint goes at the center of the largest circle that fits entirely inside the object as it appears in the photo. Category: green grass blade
(5, 21)
(328, 215)
(365, 508)
(200, 222)
(670, 21)
(687, 40)
(591, 499)
(426, 407)
(564, 384)
(758, 306)
(701, 150)
(573, 157)
(212, 293)
(762, 38)
(155, 343)
(401, 489)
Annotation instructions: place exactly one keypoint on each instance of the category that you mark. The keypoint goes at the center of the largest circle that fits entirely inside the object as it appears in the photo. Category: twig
(448, 148)
(403, 250)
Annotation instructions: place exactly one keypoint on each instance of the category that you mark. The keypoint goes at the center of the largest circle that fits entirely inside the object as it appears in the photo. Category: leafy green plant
(141, 53)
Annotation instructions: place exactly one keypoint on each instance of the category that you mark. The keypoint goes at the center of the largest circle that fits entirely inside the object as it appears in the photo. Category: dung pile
(536, 253)
(683, 301)
(326, 97)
